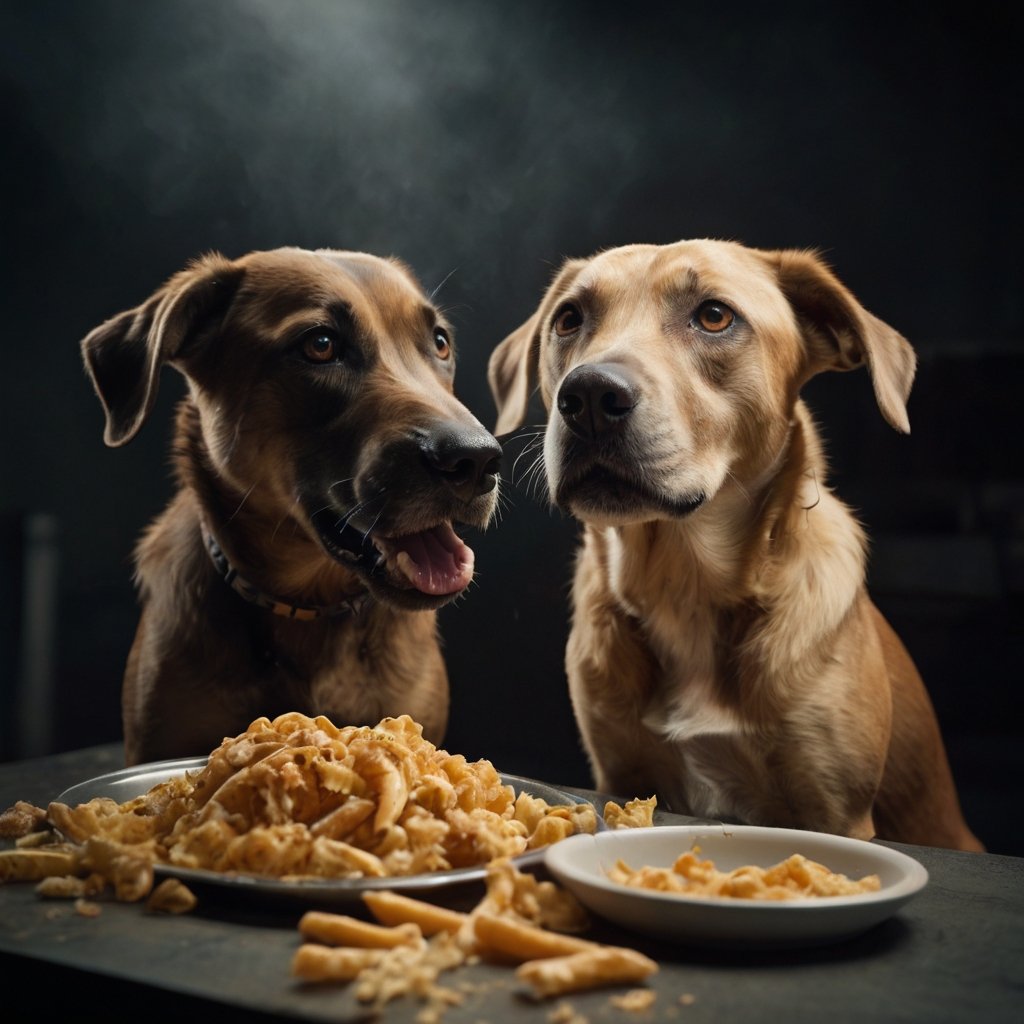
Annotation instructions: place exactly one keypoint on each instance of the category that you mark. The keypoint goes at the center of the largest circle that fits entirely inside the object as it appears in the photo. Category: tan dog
(723, 651)
(321, 460)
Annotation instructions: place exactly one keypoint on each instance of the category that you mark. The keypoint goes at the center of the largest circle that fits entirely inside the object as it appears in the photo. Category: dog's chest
(681, 627)
(683, 711)
(321, 665)
(361, 669)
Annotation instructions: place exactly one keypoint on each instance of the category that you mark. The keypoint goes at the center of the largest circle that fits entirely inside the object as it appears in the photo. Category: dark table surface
(954, 953)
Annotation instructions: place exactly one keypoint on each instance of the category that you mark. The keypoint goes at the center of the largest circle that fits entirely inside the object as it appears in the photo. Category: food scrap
(633, 814)
(514, 923)
(796, 877)
(636, 1000)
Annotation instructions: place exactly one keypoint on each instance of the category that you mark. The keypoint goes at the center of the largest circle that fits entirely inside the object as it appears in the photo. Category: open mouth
(435, 562)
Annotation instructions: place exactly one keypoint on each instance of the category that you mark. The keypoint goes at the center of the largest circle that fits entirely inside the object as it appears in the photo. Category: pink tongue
(442, 563)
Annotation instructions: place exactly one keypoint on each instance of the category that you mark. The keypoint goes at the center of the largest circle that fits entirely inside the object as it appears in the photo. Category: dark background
(482, 142)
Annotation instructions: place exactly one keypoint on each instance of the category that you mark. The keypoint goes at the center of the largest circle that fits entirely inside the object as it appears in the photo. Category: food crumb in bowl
(687, 999)
(796, 877)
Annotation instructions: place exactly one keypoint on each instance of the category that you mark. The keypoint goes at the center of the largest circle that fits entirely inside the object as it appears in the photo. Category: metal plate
(128, 783)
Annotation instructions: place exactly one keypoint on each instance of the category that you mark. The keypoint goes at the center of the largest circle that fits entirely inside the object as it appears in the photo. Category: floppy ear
(512, 368)
(512, 374)
(123, 356)
(842, 335)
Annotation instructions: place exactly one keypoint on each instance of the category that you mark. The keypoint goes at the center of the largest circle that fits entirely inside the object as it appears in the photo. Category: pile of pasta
(299, 797)
(796, 877)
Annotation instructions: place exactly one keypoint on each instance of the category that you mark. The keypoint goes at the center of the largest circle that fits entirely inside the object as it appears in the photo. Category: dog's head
(323, 387)
(668, 370)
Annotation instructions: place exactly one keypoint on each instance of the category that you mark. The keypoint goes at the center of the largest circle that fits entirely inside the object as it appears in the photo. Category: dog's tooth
(407, 565)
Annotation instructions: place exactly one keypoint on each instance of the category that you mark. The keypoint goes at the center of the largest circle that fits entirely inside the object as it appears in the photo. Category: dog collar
(251, 593)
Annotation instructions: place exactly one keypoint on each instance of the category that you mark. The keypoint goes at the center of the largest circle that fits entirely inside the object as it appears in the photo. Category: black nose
(467, 460)
(596, 398)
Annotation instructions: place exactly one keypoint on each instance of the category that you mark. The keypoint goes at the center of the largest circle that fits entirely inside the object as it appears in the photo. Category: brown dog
(723, 651)
(321, 460)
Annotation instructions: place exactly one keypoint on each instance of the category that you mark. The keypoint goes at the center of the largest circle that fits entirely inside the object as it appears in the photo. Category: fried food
(512, 924)
(519, 941)
(313, 962)
(796, 877)
(523, 897)
(32, 865)
(393, 909)
(633, 814)
(299, 797)
(592, 968)
(20, 820)
(342, 930)
(171, 896)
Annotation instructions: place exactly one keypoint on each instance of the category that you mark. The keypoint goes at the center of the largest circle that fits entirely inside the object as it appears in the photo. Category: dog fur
(321, 458)
(723, 652)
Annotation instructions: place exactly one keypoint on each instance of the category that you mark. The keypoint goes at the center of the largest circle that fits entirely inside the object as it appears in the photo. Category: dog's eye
(568, 320)
(715, 317)
(320, 347)
(442, 343)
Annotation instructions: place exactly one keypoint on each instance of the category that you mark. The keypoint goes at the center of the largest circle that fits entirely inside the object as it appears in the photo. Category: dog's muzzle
(600, 470)
(403, 540)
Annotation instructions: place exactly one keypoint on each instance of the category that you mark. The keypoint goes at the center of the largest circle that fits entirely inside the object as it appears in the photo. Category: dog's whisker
(533, 480)
(288, 514)
(372, 526)
(526, 430)
(236, 436)
(444, 281)
(739, 486)
(536, 477)
(278, 525)
(360, 506)
(245, 497)
(503, 503)
(536, 444)
(529, 449)
(344, 520)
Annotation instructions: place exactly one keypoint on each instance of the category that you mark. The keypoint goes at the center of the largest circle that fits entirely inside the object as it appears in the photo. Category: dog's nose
(467, 460)
(596, 398)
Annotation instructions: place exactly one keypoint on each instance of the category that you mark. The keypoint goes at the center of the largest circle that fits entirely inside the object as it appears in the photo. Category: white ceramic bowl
(580, 863)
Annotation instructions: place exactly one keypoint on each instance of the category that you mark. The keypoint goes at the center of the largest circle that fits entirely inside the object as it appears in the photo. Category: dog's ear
(512, 368)
(123, 356)
(512, 374)
(842, 335)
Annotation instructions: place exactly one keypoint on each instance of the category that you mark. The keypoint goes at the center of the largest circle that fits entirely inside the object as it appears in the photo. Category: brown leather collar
(251, 593)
